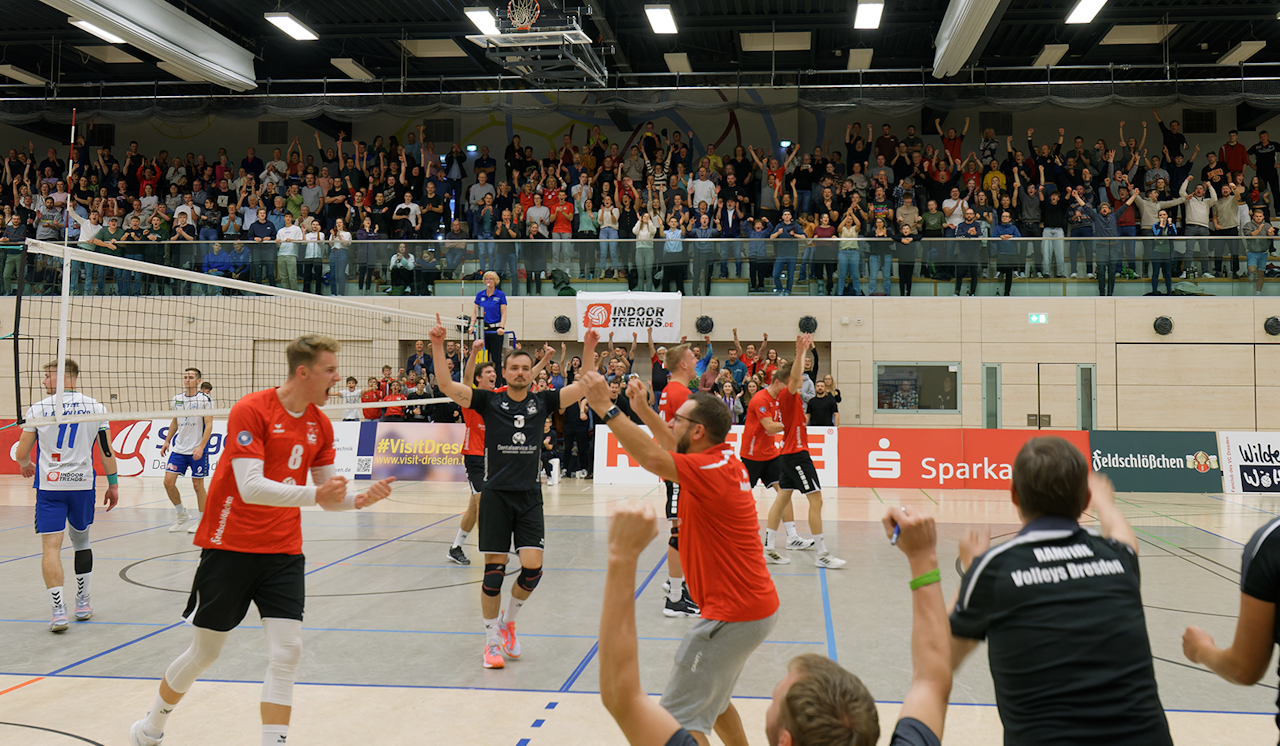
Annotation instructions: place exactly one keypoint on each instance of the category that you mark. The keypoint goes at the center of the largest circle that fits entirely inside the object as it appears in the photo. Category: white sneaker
(194, 527)
(1091, 276)
(1182, 276)
(179, 522)
(829, 561)
(1039, 275)
(1074, 275)
(138, 737)
(1208, 275)
(771, 557)
(796, 543)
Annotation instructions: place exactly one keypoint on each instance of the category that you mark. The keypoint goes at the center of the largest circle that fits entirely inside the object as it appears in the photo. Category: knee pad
(204, 650)
(493, 575)
(79, 539)
(674, 541)
(84, 561)
(528, 579)
(284, 643)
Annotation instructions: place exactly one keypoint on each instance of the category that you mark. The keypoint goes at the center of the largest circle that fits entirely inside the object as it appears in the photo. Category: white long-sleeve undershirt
(256, 489)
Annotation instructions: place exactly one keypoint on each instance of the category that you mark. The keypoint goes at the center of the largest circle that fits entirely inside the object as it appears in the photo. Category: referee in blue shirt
(491, 317)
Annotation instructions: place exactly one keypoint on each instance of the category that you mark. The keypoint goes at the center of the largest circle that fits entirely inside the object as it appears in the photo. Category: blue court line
(1183, 523)
(537, 723)
(552, 705)
(522, 742)
(1233, 502)
(595, 647)
(117, 536)
(826, 612)
(383, 544)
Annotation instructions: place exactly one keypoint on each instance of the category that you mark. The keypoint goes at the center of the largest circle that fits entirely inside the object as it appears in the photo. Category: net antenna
(523, 13)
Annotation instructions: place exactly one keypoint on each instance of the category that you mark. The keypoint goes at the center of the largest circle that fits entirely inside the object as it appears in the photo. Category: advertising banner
(419, 452)
(612, 466)
(624, 313)
(1250, 462)
(1146, 461)
(939, 459)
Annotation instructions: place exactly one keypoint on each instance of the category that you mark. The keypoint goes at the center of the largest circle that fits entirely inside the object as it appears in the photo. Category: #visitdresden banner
(419, 452)
(1148, 461)
(625, 313)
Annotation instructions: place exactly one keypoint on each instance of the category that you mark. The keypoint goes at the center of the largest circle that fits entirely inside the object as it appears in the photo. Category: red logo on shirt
(597, 316)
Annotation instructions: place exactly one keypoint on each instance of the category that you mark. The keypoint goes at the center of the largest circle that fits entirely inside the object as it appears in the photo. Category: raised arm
(460, 393)
(1102, 498)
(803, 343)
(644, 450)
(574, 391)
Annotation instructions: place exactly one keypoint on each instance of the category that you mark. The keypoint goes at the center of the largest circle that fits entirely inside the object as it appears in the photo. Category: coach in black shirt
(1061, 610)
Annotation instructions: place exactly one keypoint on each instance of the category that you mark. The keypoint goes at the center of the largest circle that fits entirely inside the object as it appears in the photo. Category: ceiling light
(291, 26)
(1138, 34)
(22, 76)
(106, 36)
(1051, 55)
(432, 47)
(353, 69)
(109, 54)
(868, 15)
(483, 19)
(660, 19)
(180, 72)
(678, 62)
(1085, 10)
(788, 41)
(1241, 52)
(860, 59)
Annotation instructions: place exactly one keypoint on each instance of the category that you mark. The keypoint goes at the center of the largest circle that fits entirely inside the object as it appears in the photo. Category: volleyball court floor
(393, 634)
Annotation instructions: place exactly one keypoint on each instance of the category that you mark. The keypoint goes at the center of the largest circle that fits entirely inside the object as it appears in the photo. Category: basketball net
(523, 13)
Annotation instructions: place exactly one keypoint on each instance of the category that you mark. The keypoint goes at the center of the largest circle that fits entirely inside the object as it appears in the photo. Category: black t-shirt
(513, 436)
(822, 411)
(1260, 571)
(431, 220)
(1264, 156)
(1061, 610)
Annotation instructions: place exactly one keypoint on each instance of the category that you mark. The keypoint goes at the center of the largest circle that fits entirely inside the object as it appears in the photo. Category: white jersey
(66, 451)
(190, 429)
(351, 397)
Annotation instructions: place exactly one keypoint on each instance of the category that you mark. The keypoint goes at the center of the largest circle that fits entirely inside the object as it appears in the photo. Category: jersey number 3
(295, 457)
(519, 421)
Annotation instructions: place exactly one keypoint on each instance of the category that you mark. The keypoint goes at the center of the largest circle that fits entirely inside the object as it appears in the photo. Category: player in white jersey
(186, 443)
(351, 395)
(65, 485)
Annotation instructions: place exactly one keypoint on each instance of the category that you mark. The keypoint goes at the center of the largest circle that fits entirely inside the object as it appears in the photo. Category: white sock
(491, 631)
(790, 526)
(512, 609)
(180, 509)
(82, 585)
(677, 588)
(160, 710)
(273, 735)
(55, 595)
(819, 544)
(768, 538)
(460, 538)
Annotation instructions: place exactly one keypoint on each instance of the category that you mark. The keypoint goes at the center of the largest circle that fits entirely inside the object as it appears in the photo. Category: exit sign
(1037, 318)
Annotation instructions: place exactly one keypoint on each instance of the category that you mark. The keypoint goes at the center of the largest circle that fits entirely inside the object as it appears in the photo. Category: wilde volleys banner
(939, 459)
(418, 452)
(625, 313)
(1144, 461)
(1250, 461)
(612, 465)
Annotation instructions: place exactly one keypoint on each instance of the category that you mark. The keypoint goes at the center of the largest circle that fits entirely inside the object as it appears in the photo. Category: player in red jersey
(798, 471)
(682, 365)
(251, 533)
(372, 393)
(720, 546)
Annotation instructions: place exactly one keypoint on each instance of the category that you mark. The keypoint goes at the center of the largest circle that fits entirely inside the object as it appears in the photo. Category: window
(1199, 121)
(918, 387)
(273, 133)
(991, 395)
(101, 136)
(438, 130)
(1000, 121)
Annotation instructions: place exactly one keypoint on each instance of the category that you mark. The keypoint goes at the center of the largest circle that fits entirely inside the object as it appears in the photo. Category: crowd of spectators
(659, 211)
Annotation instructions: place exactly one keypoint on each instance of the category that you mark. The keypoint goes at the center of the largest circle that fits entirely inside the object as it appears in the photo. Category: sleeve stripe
(971, 577)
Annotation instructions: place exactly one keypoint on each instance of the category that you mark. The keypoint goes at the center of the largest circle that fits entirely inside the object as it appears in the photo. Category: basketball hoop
(523, 13)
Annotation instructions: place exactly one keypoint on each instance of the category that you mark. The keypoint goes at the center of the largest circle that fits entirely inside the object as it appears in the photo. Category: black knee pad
(528, 579)
(84, 561)
(674, 541)
(493, 575)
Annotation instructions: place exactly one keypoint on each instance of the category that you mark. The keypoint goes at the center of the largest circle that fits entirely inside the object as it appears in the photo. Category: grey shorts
(708, 663)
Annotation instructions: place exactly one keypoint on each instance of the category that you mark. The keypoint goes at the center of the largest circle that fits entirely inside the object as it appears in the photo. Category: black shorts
(511, 518)
(673, 501)
(767, 473)
(227, 581)
(798, 473)
(475, 472)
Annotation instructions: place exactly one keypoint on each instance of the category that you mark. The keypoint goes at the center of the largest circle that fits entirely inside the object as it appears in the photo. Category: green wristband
(929, 578)
(112, 479)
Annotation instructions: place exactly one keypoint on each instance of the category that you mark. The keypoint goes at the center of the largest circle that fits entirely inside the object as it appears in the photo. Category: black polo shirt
(1260, 571)
(513, 436)
(1061, 610)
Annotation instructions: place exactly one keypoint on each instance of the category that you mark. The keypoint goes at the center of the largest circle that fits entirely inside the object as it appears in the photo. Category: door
(1067, 396)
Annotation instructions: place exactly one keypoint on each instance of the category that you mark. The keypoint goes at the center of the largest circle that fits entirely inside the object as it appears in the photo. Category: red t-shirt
(473, 438)
(769, 369)
(795, 437)
(674, 395)
(288, 446)
(562, 219)
(758, 445)
(953, 146)
(372, 395)
(720, 538)
(395, 411)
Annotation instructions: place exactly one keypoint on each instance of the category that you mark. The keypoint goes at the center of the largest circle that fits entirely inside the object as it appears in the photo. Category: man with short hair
(252, 539)
(681, 363)
(824, 411)
(1040, 600)
(65, 484)
(12, 239)
(189, 439)
(287, 240)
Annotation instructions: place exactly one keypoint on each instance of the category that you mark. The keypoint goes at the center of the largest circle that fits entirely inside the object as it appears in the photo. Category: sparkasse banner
(613, 466)
(623, 314)
(1148, 461)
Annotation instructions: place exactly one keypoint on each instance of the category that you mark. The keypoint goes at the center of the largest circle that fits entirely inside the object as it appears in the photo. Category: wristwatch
(613, 412)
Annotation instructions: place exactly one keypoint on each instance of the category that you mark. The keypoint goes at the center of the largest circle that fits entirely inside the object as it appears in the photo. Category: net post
(17, 325)
(63, 321)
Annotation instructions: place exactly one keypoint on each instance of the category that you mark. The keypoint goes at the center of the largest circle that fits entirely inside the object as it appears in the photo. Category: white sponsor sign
(613, 466)
(624, 313)
(1250, 462)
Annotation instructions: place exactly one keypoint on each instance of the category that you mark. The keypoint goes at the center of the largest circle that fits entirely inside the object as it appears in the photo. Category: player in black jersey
(511, 502)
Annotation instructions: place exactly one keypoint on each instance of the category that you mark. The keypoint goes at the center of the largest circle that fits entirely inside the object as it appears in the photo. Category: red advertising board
(939, 459)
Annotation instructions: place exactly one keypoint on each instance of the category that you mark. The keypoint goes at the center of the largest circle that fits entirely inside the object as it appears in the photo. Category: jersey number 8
(295, 457)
